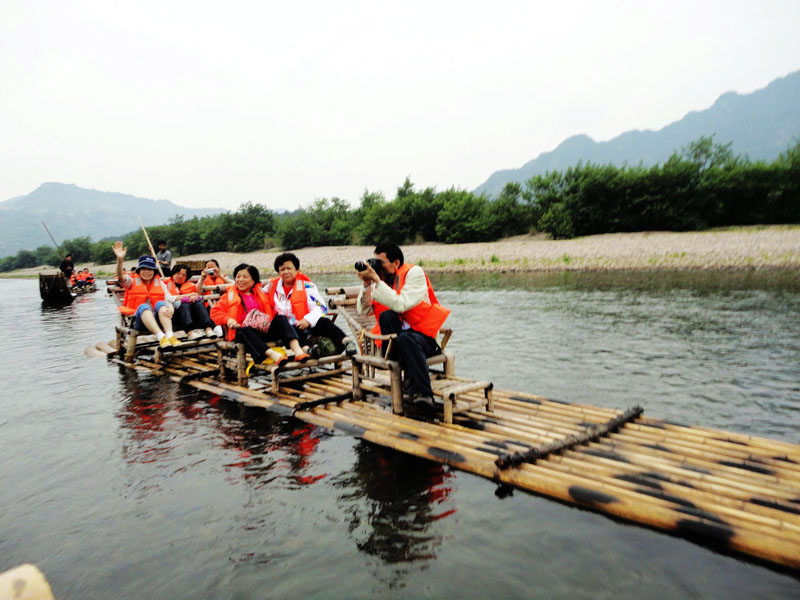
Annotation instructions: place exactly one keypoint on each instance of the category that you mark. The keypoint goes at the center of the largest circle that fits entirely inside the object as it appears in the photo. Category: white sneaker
(194, 334)
(218, 331)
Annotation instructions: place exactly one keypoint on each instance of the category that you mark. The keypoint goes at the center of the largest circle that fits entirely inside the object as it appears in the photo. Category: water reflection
(158, 416)
(392, 501)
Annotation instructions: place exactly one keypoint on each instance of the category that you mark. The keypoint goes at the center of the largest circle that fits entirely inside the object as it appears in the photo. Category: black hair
(286, 256)
(391, 250)
(250, 269)
(214, 260)
(177, 268)
(161, 242)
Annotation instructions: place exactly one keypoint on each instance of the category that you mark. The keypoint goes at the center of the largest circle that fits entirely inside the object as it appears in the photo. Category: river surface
(119, 484)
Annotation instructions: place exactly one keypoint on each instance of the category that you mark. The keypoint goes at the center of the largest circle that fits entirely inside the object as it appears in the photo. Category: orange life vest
(139, 293)
(298, 298)
(187, 287)
(426, 317)
(81, 276)
(208, 281)
(231, 306)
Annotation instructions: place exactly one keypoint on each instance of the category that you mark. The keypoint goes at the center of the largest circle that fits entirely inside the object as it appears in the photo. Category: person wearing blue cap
(145, 297)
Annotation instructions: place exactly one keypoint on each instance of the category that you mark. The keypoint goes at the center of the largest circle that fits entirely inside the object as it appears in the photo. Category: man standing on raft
(405, 304)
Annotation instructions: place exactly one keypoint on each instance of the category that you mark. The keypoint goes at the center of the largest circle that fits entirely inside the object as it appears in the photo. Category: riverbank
(757, 247)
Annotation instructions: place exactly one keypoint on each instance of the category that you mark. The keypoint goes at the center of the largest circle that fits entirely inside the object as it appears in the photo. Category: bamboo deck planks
(738, 492)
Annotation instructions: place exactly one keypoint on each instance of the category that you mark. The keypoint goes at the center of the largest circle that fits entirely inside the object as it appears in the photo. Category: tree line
(703, 185)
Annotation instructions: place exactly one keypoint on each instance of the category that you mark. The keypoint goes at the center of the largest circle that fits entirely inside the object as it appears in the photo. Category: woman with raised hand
(145, 297)
(235, 304)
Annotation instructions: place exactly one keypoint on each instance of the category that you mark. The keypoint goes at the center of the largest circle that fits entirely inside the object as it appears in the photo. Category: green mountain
(759, 125)
(70, 211)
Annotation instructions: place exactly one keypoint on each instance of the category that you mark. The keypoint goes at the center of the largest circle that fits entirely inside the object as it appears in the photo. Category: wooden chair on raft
(372, 373)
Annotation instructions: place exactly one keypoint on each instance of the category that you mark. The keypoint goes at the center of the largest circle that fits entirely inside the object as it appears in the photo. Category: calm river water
(118, 484)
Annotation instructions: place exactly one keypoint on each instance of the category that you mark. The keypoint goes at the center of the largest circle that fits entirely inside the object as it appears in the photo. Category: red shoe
(302, 357)
(280, 361)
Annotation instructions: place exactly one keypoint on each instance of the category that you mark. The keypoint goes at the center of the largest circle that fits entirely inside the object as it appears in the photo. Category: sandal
(302, 357)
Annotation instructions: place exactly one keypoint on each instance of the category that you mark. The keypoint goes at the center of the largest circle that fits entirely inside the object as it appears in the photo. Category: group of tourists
(77, 279)
(81, 279)
(288, 310)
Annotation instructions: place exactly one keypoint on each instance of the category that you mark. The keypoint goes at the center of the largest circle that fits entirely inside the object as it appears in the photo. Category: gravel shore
(738, 248)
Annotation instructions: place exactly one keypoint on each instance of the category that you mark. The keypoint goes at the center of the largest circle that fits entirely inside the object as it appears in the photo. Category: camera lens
(360, 266)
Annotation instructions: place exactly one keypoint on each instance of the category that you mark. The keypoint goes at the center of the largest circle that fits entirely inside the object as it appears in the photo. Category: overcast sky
(212, 104)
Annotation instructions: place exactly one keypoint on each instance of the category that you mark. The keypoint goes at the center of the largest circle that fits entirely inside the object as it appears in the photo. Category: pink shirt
(250, 302)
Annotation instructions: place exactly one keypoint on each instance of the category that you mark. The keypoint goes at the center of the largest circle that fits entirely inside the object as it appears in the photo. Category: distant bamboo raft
(53, 289)
(737, 492)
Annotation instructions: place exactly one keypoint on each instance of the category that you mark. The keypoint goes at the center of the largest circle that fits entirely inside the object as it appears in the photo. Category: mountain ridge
(71, 211)
(760, 125)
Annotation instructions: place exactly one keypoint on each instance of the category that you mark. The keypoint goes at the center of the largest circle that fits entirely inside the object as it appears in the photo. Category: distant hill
(759, 125)
(71, 211)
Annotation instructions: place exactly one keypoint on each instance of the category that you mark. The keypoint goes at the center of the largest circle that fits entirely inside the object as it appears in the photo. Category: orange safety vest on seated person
(187, 287)
(425, 317)
(81, 276)
(298, 298)
(139, 293)
(230, 306)
(208, 280)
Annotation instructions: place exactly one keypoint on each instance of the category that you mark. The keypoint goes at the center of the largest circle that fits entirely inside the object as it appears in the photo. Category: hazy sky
(218, 103)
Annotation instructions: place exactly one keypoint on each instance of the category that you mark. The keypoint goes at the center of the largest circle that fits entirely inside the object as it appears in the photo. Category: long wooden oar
(52, 238)
(152, 251)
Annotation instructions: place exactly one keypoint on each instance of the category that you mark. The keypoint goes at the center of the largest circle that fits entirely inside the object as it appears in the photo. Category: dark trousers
(410, 349)
(255, 341)
(324, 328)
(191, 315)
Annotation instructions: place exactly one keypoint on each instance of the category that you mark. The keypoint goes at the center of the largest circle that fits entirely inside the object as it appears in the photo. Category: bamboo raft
(86, 289)
(734, 492)
(54, 289)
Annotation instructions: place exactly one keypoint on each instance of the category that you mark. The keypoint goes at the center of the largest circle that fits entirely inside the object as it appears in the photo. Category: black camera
(376, 265)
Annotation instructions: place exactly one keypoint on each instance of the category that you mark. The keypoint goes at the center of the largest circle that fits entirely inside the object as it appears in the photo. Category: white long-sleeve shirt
(415, 290)
(283, 303)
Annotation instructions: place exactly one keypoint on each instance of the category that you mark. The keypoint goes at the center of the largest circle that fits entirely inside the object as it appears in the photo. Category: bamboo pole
(149, 245)
(54, 240)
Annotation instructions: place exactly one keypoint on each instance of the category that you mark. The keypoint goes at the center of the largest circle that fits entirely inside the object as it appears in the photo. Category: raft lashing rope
(592, 434)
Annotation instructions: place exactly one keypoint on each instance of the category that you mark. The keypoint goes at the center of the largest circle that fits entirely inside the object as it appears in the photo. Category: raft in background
(85, 289)
(53, 289)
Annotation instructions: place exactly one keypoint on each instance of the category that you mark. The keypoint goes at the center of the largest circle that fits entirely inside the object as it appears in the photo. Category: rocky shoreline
(757, 247)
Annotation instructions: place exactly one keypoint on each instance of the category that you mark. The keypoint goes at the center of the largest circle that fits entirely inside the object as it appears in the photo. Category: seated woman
(191, 313)
(211, 276)
(145, 297)
(239, 300)
(293, 295)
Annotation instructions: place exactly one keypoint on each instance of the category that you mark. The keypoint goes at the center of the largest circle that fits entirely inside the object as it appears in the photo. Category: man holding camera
(404, 304)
